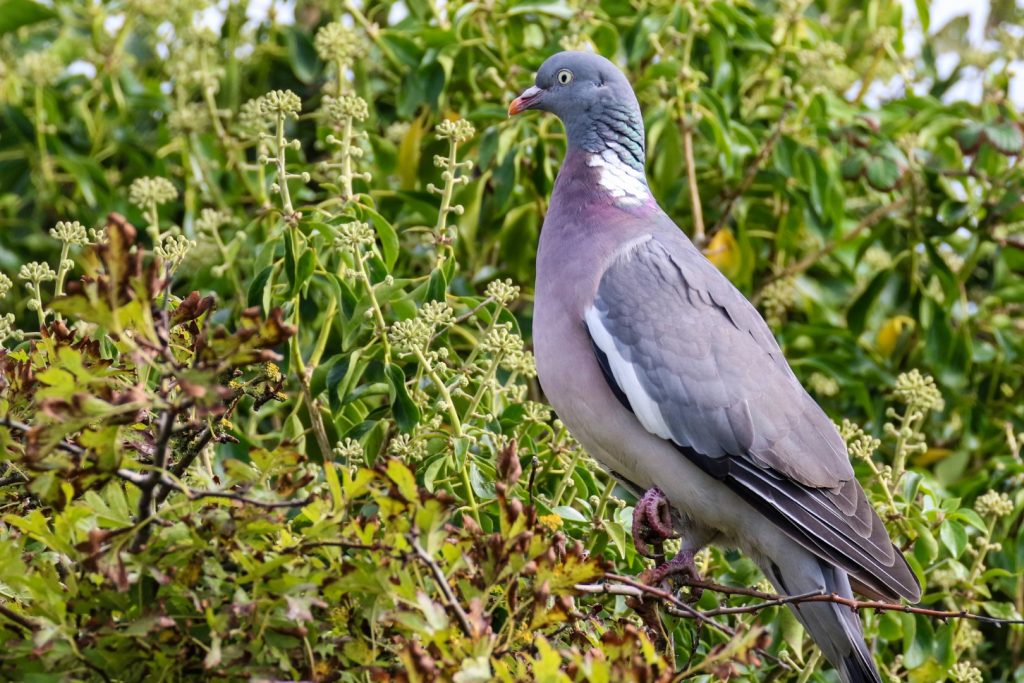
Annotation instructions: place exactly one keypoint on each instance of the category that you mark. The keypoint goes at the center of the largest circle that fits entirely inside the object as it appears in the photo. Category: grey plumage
(669, 377)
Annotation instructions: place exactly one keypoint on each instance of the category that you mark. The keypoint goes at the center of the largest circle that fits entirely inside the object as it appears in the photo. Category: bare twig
(442, 584)
(18, 619)
(752, 170)
(269, 505)
(699, 238)
(148, 487)
(1011, 242)
(673, 605)
(25, 428)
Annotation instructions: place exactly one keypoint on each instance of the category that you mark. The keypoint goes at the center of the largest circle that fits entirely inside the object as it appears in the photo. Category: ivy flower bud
(502, 291)
(502, 340)
(36, 272)
(40, 68)
(822, 384)
(211, 220)
(253, 119)
(993, 504)
(918, 392)
(7, 328)
(337, 43)
(411, 334)
(174, 249)
(5, 285)
(281, 103)
(437, 314)
(458, 131)
(338, 109)
(146, 191)
(348, 450)
(860, 444)
(354, 235)
(71, 233)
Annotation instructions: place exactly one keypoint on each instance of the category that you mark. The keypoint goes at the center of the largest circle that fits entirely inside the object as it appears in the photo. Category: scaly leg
(652, 524)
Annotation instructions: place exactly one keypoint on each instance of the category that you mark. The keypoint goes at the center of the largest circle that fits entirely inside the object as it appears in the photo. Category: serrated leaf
(1005, 136)
(882, 173)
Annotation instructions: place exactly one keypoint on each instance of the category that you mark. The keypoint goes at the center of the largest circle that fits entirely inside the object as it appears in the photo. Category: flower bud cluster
(71, 233)
(343, 112)
(173, 249)
(456, 132)
(859, 443)
(993, 504)
(147, 191)
(776, 299)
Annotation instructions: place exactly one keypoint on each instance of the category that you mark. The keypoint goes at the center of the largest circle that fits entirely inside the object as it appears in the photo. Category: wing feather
(697, 365)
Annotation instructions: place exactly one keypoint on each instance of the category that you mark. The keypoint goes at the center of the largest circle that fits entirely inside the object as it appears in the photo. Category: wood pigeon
(668, 376)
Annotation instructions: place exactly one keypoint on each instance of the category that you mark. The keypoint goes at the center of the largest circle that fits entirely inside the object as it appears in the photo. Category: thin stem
(44, 154)
(598, 519)
(449, 188)
(566, 476)
(282, 173)
(40, 311)
(810, 667)
(488, 377)
(378, 314)
(442, 389)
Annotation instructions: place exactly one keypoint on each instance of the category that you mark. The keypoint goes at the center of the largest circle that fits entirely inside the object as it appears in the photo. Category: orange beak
(524, 101)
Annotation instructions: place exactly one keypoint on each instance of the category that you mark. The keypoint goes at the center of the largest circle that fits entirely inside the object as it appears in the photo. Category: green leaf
(1005, 136)
(954, 537)
(569, 514)
(302, 54)
(883, 174)
(333, 485)
(404, 479)
(303, 271)
(437, 287)
(407, 413)
(857, 314)
(17, 13)
(386, 234)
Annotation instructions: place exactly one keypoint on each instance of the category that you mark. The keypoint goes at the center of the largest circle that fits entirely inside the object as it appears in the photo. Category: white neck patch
(626, 185)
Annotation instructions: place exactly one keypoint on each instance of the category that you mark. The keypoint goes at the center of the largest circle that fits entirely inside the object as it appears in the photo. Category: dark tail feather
(835, 628)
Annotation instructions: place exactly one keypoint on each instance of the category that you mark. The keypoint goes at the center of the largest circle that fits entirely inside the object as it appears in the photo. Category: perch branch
(624, 585)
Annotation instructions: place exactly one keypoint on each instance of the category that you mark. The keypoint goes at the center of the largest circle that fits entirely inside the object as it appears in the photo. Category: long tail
(835, 628)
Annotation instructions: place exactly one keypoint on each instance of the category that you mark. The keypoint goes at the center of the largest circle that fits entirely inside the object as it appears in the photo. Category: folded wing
(697, 365)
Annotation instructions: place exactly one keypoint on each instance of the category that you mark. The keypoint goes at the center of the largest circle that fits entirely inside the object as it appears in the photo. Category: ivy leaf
(407, 413)
(970, 137)
(883, 173)
(1005, 136)
(954, 537)
(17, 13)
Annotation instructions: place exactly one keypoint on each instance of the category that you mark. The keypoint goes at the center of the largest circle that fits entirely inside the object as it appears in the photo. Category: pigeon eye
(564, 77)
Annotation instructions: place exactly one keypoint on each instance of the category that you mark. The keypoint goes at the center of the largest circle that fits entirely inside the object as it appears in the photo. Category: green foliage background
(333, 462)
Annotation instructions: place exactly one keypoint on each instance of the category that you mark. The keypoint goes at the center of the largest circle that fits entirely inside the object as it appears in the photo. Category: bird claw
(652, 525)
(681, 565)
(652, 522)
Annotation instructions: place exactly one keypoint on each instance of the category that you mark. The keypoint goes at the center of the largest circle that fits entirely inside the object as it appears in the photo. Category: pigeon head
(594, 101)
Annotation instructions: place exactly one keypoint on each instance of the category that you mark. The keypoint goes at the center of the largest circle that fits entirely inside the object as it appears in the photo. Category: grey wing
(697, 365)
